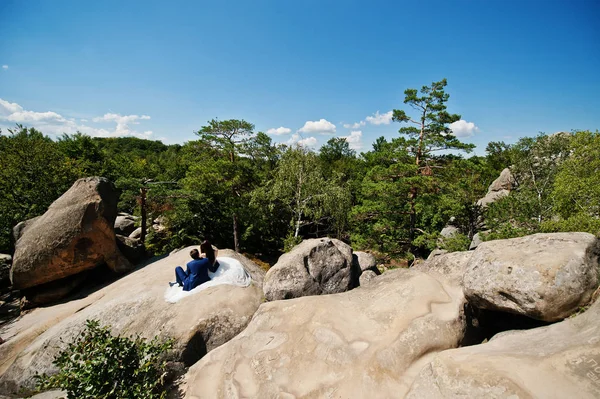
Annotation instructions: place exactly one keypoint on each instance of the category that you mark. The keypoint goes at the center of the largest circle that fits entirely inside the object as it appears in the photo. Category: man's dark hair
(195, 254)
(207, 249)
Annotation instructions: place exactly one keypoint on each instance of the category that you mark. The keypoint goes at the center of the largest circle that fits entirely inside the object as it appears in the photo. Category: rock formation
(368, 342)
(74, 235)
(132, 305)
(543, 276)
(314, 267)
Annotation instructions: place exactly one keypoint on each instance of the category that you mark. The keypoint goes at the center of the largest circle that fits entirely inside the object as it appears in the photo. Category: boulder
(137, 233)
(124, 224)
(75, 234)
(449, 231)
(543, 276)
(366, 343)
(133, 249)
(365, 261)
(499, 188)
(20, 227)
(436, 252)
(254, 270)
(476, 241)
(450, 265)
(132, 305)
(5, 263)
(367, 276)
(313, 267)
(51, 292)
(558, 361)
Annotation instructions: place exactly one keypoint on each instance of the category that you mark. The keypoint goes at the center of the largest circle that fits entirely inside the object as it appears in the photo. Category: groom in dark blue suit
(196, 273)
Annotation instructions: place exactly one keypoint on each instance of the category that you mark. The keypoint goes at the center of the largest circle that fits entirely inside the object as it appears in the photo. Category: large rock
(20, 227)
(133, 249)
(366, 343)
(499, 188)
(543, 276)
(476, 241)
(313, 267)
(558, 361)
(5, 263)
(132, 305)
(450, 265)
(75, 234)
(124, 224)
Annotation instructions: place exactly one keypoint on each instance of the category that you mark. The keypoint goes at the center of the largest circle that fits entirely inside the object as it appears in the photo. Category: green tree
(33, 173)
(427, 133)
(308, 198)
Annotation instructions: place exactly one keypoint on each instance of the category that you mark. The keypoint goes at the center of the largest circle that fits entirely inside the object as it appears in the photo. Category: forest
(235, 187)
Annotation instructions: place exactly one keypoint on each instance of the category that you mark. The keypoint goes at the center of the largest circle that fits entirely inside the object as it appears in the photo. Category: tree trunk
(236, 234)
(143, 211)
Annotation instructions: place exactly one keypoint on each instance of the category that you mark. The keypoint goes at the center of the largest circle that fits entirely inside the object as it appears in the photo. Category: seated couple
(198, 268)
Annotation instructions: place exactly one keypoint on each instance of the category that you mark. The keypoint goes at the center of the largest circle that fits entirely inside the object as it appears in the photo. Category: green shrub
(100, 365)
(456, 242)
(290, 242)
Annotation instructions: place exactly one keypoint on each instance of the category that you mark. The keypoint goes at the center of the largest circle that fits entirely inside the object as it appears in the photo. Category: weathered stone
(52, 291)
(368, 342)
(544, 276)
(367, 276)
(20, 228)
(558, 361)
(476, 241)
(124, 225)
(364, 260)
(132, 305)
(313, 267)
(131, 248)
(137, 233)
(75, 234)
(449, 231)
(499, 188)
(450, 265)
(436, 252)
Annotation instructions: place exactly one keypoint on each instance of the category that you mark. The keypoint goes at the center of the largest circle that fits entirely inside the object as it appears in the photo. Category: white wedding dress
(230, 272)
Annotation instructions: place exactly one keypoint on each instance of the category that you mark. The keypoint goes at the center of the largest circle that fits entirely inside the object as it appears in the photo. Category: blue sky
(162, 69)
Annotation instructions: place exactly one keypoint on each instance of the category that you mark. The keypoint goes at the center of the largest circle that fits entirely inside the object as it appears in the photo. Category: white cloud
(354, 125)
(279, 131)
(52, 123)
(380, 119)
(463, 128)
(322, 126)
(354, 139)
(299, 140)
(5, 67)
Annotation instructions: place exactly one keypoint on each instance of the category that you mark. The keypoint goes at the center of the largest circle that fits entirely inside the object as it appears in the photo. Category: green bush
(290, 242)
(100, 365)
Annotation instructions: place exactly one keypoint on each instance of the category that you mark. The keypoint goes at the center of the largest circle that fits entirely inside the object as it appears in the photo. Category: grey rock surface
(543, 276)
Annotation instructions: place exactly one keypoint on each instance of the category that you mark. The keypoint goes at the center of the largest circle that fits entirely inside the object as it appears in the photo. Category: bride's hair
(206, 248)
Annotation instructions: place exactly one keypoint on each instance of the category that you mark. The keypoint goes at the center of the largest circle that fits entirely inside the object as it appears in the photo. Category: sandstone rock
(364, 260)
(436, 252)
(255, 271)
(20, 228)
(505, 181)
(313, 267)
(131, 248)
(449, 231)
(543, 276)
(492, 197)
(5, 263)
(75, 234)
(124, 225)
(558, 361)
(366, 343)
(476, 241)
(51, 292)
(137, 233)
(367, 276)
(132, 305)
(54, 394)
(499, 188)
(450, 265)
